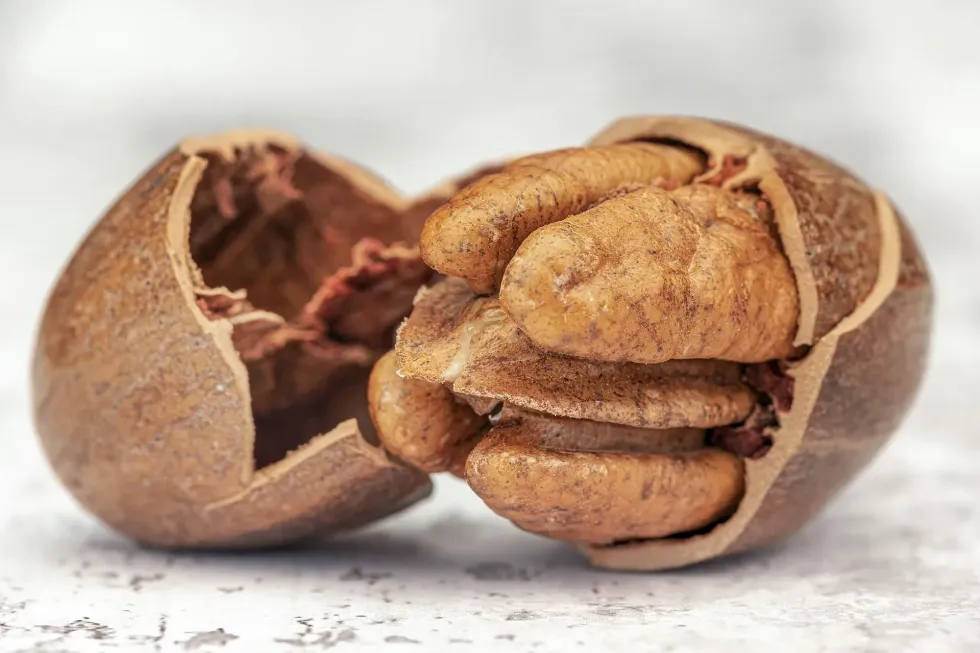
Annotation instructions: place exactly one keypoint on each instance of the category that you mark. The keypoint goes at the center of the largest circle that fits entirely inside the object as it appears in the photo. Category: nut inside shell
(799, 284)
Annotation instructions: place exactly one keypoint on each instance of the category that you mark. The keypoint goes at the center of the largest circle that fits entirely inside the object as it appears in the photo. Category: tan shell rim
(220, 330)
(808, 373)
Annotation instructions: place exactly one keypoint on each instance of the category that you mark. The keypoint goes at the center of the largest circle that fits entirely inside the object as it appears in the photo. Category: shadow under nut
(421, 423)
(602, 497)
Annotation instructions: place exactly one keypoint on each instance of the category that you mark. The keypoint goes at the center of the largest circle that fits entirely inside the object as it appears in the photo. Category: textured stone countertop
(90, 95)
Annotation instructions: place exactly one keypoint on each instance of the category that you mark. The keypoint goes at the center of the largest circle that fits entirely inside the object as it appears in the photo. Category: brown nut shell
(141, 376)
(865, 301)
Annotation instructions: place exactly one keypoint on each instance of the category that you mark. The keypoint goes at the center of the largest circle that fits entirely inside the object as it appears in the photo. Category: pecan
(667, 352)
(475, 234)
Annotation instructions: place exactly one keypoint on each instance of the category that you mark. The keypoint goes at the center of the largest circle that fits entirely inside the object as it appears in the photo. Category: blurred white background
(92, 92)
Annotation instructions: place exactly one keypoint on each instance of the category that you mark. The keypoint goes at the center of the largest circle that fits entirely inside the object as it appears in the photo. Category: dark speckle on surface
(137, 581)
(358, 574)
(401, 639)
(215, 638)
(306, 637)
(157, 637)
(500, 571)
(616, 610)
(91, 629)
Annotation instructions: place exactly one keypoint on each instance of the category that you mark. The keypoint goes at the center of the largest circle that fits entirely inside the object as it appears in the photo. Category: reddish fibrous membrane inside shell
(312, 290)
(750, 439)
(753, 437)
(730, 166)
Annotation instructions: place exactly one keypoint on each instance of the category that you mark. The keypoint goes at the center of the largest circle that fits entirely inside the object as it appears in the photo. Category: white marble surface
(91, 92)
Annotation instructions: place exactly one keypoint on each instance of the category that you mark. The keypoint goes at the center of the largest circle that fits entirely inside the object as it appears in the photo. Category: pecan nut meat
(768, 306)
